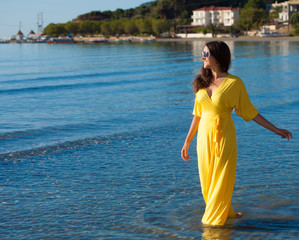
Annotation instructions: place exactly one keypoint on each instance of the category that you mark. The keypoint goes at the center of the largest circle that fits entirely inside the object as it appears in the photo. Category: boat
(120, 40)
(40, 41)
(274, 34)
(147, 40)
(4, 41)
(266, 33)
(60, 40)
(98, 40)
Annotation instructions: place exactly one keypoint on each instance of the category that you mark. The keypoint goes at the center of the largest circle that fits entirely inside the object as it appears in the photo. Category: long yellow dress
(217, 146)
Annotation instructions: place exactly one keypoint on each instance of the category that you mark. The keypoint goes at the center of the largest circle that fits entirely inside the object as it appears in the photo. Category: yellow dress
(217, 146)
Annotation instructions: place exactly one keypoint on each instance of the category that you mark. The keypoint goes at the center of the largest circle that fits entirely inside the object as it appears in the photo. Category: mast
(40, 23)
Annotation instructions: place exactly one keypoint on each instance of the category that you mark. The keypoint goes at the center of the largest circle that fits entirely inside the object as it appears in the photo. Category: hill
(152, 18)
(159, 9)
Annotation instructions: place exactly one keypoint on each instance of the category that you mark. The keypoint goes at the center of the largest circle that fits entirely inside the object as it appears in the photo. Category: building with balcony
(225, 16)
(288, 8)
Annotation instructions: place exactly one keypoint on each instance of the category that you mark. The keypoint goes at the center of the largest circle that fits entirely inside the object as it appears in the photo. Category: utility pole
(40, 23)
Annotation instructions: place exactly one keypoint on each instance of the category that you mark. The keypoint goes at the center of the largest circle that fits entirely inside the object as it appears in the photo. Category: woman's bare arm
(259, 119)
(192, 131)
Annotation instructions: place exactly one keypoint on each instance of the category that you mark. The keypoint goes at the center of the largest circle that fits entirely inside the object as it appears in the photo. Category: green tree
(165, 9)
(129, 13)
(72, 27)
(161, 26)
(89, 27)
(295, 23)
(141, 11)
(255, 4)
(106, 15)
(51, 30)
(55, 30)
(275, 13)
(260, 18)
(97, 27)
(118, 14)
(144, 25)
(212, 29)
(106, 28)
(130, 27)
(295, 20)
(184, 18)
(117, 27)
(252, 16)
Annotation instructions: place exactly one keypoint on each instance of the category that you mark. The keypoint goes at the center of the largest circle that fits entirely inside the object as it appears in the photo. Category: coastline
(151, 38)
(238, 39)
(113, 39)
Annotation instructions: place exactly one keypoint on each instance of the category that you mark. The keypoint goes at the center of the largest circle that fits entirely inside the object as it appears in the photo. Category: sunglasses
(205, 54)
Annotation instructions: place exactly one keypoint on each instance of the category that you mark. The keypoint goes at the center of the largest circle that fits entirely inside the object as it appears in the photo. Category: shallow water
(91, 138)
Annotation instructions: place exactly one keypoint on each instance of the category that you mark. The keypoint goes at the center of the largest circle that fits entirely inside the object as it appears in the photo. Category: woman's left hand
(259, 119)
(283, 133)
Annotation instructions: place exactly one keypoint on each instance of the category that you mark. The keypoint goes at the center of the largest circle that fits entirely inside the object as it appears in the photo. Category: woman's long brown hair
(220, 51)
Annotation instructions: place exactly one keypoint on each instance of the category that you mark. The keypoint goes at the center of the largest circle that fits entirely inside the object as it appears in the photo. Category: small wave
(268, 224)
(71, 76)
(39, 138)
(42, 131)
(70, 86)
(120, 71)
(49, 88)
(258, 186)
(54, 149)
(278, 104)
(123, 136)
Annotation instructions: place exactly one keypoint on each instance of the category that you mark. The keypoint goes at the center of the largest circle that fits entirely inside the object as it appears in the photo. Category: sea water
(90, 141)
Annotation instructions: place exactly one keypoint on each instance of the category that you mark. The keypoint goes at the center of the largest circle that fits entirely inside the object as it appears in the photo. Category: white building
(215, 15)
(287, 9)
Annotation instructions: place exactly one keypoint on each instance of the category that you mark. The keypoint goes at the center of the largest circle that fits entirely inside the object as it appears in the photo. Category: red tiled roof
(213, 8)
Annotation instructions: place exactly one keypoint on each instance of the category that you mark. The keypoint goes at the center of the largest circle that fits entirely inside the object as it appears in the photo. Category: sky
(12, 12)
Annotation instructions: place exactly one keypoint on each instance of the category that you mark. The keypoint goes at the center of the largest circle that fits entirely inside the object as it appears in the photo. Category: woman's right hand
(184, 152)
(191, 133)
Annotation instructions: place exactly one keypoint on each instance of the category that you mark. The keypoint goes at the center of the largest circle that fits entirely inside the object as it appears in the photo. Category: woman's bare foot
(239, 214)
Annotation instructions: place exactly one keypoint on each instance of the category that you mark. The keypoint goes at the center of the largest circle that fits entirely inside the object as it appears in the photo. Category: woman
(217, 94)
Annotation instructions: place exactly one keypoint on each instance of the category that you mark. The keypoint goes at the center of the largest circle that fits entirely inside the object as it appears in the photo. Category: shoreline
(135, 39)
(238, 39)
(151, 38)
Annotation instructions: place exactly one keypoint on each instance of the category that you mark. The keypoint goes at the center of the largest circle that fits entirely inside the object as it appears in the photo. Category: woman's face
(208, 62)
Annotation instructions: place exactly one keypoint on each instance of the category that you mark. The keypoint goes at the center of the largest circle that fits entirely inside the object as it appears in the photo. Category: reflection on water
(197, 47)
(216, 233)
(252, 229)
(250, 50)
